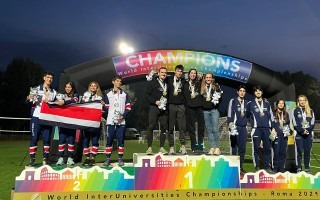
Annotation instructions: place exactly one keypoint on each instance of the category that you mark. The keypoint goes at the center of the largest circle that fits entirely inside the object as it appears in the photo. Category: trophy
(35, 93)
(60, 97)
(86, 97)
(150, 75)
(233, 130)
(215, 97)
(305, 124)
(163, 103)
(286, 130)
(273, 135)
(116, 117)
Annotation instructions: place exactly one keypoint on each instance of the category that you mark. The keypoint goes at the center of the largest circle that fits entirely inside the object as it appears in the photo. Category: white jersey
(42, 94)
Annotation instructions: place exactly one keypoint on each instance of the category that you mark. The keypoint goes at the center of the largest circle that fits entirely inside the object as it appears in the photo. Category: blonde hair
(306, 107)
(98, 93)
(215, 86)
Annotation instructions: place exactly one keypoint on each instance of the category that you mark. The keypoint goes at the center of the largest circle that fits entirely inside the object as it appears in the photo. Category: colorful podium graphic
(165, 177)
(185, 172)
(45, 179)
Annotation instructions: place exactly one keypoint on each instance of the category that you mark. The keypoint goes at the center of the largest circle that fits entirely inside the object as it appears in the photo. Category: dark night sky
(280, 35)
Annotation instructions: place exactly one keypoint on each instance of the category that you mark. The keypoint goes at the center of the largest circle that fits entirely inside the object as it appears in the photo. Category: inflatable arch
(229, 71)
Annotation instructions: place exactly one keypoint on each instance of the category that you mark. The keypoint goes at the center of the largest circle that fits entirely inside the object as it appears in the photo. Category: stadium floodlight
(125, 48)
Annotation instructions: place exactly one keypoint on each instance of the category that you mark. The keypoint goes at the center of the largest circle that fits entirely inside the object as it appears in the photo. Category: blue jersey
(264, 119)
(236, 114)
(298, 123)
(285, 124)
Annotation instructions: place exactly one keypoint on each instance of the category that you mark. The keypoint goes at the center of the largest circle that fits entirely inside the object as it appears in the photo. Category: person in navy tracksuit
(237, 122)
(41, 94)
(66, 134)
(279, 145)
(117, 105)
(262, 122)
(303, 122)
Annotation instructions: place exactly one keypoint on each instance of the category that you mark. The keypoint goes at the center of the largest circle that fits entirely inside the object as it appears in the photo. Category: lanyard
(176, 85)
(191, 88)
(280, 119)
(241, 101)
(260, 106)
(163, 86)
(208, 91)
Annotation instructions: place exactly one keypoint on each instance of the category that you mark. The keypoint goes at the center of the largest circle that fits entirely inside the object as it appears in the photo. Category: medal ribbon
(304, 115)
(191, 88)
(163, 85)
(241, 101)
(260, 106)
(208, 90)
(280, 119)
(176, 85)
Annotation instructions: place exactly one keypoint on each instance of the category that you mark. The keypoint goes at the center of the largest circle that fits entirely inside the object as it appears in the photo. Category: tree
(306, 85)
(20, 74)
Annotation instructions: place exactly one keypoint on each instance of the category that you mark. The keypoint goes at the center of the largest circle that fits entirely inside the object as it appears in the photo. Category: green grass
(13, 151)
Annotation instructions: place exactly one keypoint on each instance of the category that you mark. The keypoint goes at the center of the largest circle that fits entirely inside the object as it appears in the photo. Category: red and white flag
(73, 116)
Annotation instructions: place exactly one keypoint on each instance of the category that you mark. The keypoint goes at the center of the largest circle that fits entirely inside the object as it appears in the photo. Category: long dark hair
(284, 111)
(196, 81)
(73, 91)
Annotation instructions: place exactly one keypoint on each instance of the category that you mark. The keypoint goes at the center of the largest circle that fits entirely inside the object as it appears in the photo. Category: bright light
(125, 49)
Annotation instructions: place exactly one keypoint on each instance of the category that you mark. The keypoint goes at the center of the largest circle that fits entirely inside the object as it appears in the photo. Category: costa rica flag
(73, 116)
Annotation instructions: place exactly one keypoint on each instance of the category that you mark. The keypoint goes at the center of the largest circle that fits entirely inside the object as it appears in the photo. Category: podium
(173, 177)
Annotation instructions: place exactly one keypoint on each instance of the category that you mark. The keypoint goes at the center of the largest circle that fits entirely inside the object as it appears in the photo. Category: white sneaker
(149, 151)
(60, 161)
(183, 150)
(211, 151)
(163, 151)
(171, 151)
(217, 152)
(70, 161)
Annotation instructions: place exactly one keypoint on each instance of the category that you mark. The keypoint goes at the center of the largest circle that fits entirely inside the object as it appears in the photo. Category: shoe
(171, 151)
(60, 161)
(86, 162)
(70, 161)
(270, 171)
(120, 162)
(92, 162)
(257, 168)
(32, 162)
(163, 151)
(217, 152)
(211, 152)
(307, 171)
(45, 161)
(196, 151)
(149, 151)
(183, 150)
(299, 170)
(107, 162)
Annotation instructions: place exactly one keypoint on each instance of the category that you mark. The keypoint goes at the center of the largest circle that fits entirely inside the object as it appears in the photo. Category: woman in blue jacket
(282, 127)
(303, 122)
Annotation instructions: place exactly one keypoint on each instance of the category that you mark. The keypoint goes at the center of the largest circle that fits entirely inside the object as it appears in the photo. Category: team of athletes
(176, 102)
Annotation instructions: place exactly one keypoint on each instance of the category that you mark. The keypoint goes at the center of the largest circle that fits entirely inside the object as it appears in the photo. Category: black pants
(154, 115)
(195, 115)
(177, 114)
